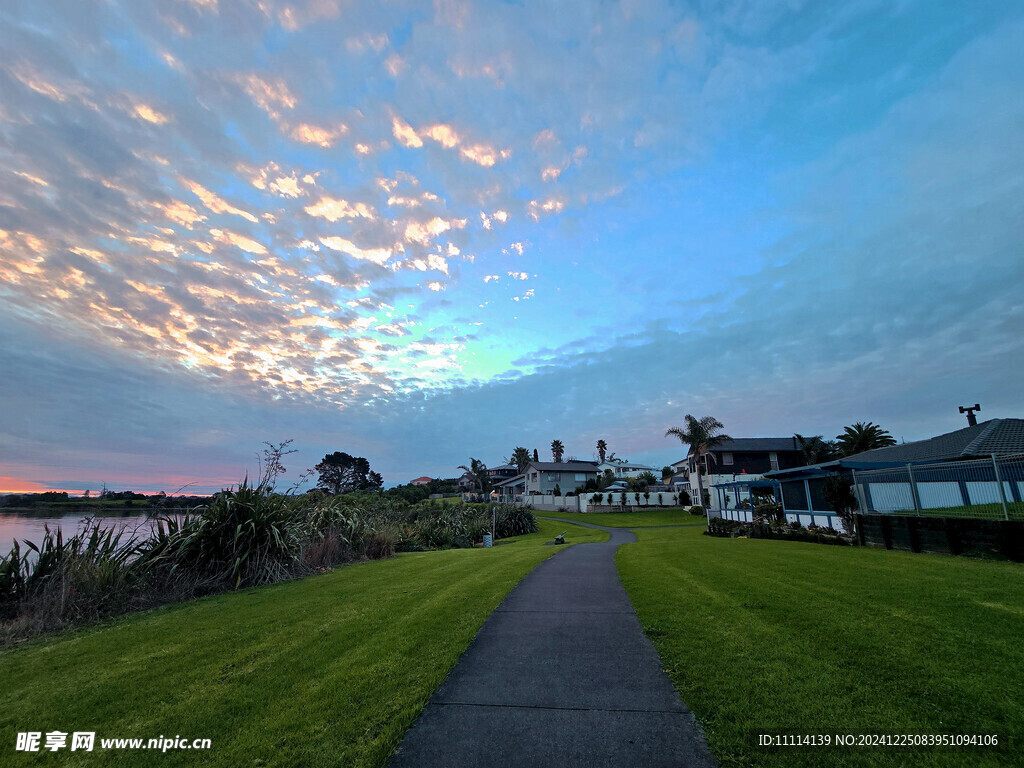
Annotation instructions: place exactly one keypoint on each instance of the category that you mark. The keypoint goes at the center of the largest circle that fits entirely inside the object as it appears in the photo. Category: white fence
(821, 519)
(585, 501)
(980, 488)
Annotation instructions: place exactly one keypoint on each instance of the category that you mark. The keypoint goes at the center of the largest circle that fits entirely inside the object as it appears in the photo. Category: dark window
(793, 495)
(817, 498)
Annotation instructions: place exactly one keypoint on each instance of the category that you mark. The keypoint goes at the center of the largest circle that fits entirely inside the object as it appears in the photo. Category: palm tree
(816, 450)
(478, 470)
(520, 457)
(863, 436)
(701, 435)
(602, 449)
(557, 449)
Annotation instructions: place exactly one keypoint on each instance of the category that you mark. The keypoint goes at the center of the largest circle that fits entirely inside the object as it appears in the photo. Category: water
(29, 524)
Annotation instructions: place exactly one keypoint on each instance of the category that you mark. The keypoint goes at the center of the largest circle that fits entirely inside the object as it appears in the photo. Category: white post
(913, 489)
(1002, 491)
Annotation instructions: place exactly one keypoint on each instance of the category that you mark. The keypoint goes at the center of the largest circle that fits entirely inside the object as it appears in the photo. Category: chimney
(972, 420)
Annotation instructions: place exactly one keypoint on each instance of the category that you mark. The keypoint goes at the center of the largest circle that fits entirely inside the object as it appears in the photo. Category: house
(623, 469)
(421, 481)
(502, 472)
(511, 489)
(746, 458)
(954, 469)
(541, 477)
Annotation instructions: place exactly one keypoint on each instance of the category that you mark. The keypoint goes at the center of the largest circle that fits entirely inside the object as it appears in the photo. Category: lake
(26, 523)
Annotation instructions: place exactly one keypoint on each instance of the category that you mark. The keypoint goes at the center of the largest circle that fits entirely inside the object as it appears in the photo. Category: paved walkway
(560, 674)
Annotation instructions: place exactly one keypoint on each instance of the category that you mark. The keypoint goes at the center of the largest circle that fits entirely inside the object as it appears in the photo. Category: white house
(623, 469)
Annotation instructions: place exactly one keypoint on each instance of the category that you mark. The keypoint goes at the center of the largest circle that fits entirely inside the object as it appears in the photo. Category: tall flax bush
(247, 537)
(81, 577)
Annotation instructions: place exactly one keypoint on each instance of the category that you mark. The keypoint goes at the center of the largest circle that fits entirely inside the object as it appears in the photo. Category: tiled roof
(998, 436)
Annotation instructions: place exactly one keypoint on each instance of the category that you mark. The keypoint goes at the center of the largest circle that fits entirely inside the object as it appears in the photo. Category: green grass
(325, 671)
(1015, 509)
(645, 518)
(784, 636)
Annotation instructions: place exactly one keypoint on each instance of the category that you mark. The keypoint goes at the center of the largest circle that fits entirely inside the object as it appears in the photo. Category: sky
(422, 233)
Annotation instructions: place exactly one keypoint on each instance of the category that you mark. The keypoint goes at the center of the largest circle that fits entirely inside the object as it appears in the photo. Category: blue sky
(423, 232)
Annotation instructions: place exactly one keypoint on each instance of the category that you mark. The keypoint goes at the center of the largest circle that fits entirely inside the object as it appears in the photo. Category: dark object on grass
(560, 538)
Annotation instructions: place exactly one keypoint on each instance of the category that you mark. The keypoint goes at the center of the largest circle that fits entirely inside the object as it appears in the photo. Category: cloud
(333, 210)
(714, 217)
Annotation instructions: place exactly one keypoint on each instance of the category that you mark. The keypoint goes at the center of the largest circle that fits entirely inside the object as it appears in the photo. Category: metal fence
(986, 489)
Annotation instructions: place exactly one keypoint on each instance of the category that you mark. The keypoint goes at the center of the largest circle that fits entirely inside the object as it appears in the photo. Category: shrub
(379, 545)
(514, 520)
(769, 511)
(245, 536)
(698, 511)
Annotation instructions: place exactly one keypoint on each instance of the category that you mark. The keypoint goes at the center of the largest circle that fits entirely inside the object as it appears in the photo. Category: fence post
(858, 493)
(913, 489)
(1002, 491)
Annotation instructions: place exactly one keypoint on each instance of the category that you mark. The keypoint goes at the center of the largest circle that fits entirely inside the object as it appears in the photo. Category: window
(727, 459)
(551, 477)
(580, 477)
(533, 476)
(774, 459)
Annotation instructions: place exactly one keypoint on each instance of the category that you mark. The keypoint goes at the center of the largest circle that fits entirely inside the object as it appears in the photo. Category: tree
(701, 435)
(520, 457)
(863, 437)
(815, 450)
(272, 465)
(478, 470)
(557, 450)
(535, 456)
(838, 492)
(341, 473)
(666, 474)
(645, 479)
(602, 449)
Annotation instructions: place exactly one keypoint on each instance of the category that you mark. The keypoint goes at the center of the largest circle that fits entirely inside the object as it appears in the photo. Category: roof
(428, 479)
(1002, 437)
(998, 436)
(511, 481)
(500, 467)
(751, 444)
(748, 484)
(564, 466)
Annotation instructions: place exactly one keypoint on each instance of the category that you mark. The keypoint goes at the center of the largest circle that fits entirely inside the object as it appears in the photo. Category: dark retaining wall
(946, 535)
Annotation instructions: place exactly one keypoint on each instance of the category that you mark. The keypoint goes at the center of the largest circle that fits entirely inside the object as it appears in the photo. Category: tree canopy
(520, 457)
(863, 436)
(341, 473)
(815, 450)
(478, 470)
(557, 450)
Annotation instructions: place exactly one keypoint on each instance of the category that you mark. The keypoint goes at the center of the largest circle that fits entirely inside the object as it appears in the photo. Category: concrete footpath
(561, 674)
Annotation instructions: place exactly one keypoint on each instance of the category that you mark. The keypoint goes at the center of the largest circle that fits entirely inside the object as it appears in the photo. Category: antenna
(972, 420)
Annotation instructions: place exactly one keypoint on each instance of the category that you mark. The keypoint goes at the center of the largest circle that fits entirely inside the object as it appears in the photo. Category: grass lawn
(326, 671)
(778, 636)
(645, 518)
(1015, 511)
